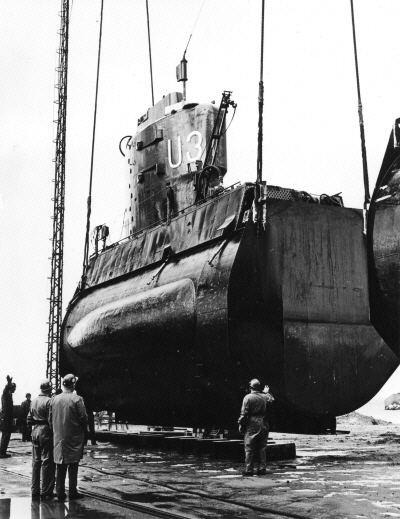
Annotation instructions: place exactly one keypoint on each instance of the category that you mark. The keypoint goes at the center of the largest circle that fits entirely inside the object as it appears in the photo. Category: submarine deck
(352, 475)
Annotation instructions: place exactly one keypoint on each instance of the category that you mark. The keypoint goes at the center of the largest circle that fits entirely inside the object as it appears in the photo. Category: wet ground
(16, 503)
(345, 476)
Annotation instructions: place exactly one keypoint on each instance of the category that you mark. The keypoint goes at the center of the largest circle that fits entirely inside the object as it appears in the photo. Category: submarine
(214, 285)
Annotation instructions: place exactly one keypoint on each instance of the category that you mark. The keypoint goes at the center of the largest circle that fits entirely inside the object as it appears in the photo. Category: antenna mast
(56, 279)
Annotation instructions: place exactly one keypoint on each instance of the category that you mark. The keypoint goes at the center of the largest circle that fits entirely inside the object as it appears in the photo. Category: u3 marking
(197, 146)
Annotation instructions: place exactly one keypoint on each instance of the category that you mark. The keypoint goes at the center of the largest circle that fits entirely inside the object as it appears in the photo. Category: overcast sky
(311, 131)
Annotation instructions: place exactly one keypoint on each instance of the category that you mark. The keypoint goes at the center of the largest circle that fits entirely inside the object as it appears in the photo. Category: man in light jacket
(69, 420)
(253, 423)
(43, 468)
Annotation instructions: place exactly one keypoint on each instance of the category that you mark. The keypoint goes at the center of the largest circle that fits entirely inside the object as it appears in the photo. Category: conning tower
(165, 157)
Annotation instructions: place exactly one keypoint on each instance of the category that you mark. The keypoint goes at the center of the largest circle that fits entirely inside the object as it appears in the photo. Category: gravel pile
(359, 419)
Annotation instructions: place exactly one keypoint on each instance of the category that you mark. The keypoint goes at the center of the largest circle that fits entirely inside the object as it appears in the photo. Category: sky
(311, 129)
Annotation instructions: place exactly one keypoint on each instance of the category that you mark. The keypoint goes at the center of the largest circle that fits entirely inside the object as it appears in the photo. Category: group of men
(58, 425)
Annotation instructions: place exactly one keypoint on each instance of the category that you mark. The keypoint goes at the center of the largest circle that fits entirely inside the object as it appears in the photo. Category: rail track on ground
(162, 513)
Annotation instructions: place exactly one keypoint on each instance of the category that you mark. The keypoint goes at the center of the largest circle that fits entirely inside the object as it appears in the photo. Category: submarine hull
(179, 318)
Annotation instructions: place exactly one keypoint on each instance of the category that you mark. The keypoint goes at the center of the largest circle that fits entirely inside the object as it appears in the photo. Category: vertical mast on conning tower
(56, 279)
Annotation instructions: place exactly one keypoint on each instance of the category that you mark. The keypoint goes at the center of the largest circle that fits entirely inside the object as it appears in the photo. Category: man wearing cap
(69, 420)
(25, 407)
(43, 468)
(253, 424)
(7, 416)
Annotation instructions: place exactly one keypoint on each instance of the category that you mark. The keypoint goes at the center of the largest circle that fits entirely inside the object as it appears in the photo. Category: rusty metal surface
(195, 227)
(290, 307)
(304, 302)
(384, 246)
(137, 322)
(158, 157)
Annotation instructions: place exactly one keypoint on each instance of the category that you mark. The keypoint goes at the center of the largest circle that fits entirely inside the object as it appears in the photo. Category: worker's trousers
(255, 443)
(72, 477)
(26, 432)
(43, 467)
(5, 439)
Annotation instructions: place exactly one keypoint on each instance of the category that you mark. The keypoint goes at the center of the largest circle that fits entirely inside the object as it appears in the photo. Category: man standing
(25, 408)
(43, 468)
(7, 416)
(69, 421)
(254, 426)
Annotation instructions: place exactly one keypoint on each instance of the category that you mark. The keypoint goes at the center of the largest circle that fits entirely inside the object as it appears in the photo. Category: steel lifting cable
(151, 65)
(367, 197)
(89, 200)
(261, 101)
(259, 210)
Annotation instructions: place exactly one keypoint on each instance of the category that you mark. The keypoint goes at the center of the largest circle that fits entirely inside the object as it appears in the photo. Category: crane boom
(56, 279)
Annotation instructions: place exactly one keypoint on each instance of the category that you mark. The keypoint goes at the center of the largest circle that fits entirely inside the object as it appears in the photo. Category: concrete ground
(344, 476)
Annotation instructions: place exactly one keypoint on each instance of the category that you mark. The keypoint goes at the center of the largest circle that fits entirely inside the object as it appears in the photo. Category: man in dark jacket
(69, 421)
(43, 468)
(7, 416)
(253, 423)
(25, 407)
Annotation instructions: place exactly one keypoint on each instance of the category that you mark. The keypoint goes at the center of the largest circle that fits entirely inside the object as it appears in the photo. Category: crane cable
(261, 101)
(151, 65)
(89, 200)
(259, 209)
(367, 197)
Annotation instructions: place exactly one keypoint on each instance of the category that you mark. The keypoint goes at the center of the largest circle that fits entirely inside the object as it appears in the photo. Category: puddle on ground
(23, 507)
(305, 490)
(376, 462)
(321, 453)
(385, 504)
(227, 477)
(148, 497)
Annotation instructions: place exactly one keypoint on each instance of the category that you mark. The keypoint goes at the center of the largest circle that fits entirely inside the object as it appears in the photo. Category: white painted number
(197, 146)
(173, 166)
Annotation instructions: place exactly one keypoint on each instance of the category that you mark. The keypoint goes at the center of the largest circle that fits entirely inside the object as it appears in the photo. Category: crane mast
(56, 278)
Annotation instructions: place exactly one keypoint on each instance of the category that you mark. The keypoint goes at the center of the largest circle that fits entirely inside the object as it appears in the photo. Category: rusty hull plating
(177, 318)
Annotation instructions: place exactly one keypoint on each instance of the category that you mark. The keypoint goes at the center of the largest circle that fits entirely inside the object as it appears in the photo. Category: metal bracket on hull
(218, 251)
(166, 255)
